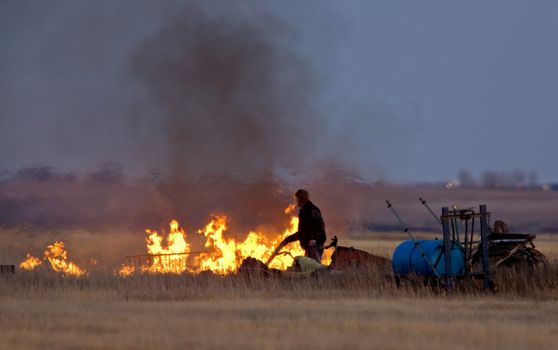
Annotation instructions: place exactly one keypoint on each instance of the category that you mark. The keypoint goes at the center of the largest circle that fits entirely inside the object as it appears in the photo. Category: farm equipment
(343, 259)
(513, 249)
(469, 249)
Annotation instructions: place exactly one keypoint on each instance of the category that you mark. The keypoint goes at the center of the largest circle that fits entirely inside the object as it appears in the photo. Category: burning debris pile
(173, 254)
(57, 256)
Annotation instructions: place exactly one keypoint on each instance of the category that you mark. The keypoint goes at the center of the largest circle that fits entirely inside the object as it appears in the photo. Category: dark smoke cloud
(235, 97)
(235, 100)
(220, 100)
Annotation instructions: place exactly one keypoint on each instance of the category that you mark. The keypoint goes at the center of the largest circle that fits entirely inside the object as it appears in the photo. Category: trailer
(469, 250)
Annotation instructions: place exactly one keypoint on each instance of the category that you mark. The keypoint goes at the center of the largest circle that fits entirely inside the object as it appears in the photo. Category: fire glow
(57, 256)
(172, 254)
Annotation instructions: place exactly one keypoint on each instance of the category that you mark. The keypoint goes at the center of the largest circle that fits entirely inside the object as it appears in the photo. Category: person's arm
(289, 239)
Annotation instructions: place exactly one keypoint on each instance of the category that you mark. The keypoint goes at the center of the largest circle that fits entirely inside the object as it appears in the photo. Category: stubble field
(42, 310)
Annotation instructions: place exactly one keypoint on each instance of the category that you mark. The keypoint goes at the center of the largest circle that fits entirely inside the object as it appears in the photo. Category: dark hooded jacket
(311, 226)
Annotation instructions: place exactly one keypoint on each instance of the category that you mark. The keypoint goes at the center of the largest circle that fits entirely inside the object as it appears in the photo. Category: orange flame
(224, 258)
(226, 254)
(126, 270)
(57, 256)
(169, 257)
(30, 263)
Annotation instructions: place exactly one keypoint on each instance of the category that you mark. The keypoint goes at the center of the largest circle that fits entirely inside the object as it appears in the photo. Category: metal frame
(447, 247)
(484, 246)
(137, 260)
(451, 221)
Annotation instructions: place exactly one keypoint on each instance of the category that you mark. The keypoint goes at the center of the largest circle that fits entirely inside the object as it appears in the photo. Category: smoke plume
(220, 100)
(235, 100)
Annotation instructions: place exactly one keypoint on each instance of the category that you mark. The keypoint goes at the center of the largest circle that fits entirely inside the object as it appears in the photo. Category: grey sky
(479, 79)
(411, 90)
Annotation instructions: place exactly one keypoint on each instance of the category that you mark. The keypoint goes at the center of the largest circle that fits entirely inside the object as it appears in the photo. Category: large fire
(222, 256)
(57, 256)
(171, 252)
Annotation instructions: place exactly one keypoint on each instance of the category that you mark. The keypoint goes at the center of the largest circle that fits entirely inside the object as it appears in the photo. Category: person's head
(302, 196)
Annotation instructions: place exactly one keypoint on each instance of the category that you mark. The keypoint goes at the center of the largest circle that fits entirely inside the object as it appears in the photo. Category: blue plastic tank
(407, 258)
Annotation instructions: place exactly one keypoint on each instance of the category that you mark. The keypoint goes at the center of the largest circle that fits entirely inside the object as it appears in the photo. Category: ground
(382, 323)
(46, 311)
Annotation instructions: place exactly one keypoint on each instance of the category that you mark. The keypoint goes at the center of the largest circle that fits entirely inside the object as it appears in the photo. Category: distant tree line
(516, 179)
(106, 173)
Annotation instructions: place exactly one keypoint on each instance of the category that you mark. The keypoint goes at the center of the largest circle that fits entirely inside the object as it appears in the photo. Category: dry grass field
(75, 322)
(42, 310)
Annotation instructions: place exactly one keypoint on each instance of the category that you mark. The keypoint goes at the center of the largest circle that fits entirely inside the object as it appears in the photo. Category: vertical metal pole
(447, 247)
(470, 254)
(466, 241)
(484, 246)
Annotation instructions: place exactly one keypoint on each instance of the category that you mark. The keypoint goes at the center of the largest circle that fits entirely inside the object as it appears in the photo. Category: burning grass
(222, 255)
(57, 256)
(172, 252)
